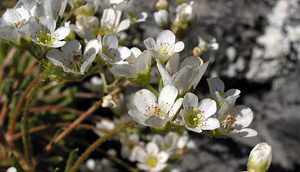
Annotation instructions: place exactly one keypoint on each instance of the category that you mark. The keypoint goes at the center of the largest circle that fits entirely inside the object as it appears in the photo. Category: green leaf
(71, 159)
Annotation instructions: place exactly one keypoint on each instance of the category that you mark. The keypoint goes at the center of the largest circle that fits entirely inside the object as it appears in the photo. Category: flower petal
(245, 132)
(211, 124)
(58, 44)
(175, 108)
(166, 38)
(138, 116)
(143, 100)
(178, 47)
(215, 84)
(190, 101)
(244, 116)
(208, 107)
(72, 47)
(110, 41)
(62, 33)
(123, 25)
(165, 76)
(152, 148)
(49, 23)
(163, 156)
(150, 43)
(167, 97)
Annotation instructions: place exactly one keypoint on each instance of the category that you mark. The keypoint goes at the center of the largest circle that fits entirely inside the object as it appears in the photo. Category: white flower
(184, 12)
(134, 65)
(44, 33)
(197, 116)
(111, 53)
(150, 111)
(235, 120)
(104, 126)
(207, 45)
(168, 142)
(161, 18)
(71, 58)
(185, 76)
(165, 45)
(151, 159)
(111, 21)
(260, 158)
(12, 22)
(86, 26)
(216, 89)
(11, 169)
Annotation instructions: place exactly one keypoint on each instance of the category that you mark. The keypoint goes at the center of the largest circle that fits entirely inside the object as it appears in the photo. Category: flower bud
(260, 158)
(161, 4)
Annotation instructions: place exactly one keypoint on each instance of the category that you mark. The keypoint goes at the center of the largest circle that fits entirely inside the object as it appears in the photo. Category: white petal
(244, 116)
(178, 47)
(208, 107)
(108, 18)
(166, 38)
(215, 84)
(58, 44)
(183, 79)
(150, 44)
(48, 22)
(167, 97)
(123, 25)
(137, 116)
(190, 101)
(135, 51)
(140, 155)
(110, 41)
(191, 61)
(143, 62)
(152, 148)
(123, 70)
(232, 92)
(165, 76)
(72, 47)
(227, 107)
(56, 57)
(175, 108)
(245, 132)
(211, 124)
(92, 48)
(124, 52)
(161, 17)
(172, 65)
(9, 33)
(163, 156)
(156, 122)
(143, 100)
(62, 33)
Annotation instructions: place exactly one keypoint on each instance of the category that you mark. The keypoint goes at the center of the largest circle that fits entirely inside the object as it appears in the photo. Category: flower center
(77, 62)
(228, 121)
(17, 24)
(44, 37)
(151, 161)
(164, 50)
(194, 118)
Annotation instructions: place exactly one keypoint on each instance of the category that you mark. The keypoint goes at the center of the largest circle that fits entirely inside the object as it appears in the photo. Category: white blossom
(184, 76)
(151, 158)
(111, 21)
(11, 169)
(260, 158)
(161, 18)
(216, 89)
(44, 33)
(184, 12)
(168, 142)
(197, 115)
(85, 27)
(235, 120)
(71, 58)
(165, 45)
(149, 110)
(12, 22)
(111, 53)
(137, 63)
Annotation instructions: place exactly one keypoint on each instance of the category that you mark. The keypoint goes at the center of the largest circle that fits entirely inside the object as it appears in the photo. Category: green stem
(97, 143)
(105, 85)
